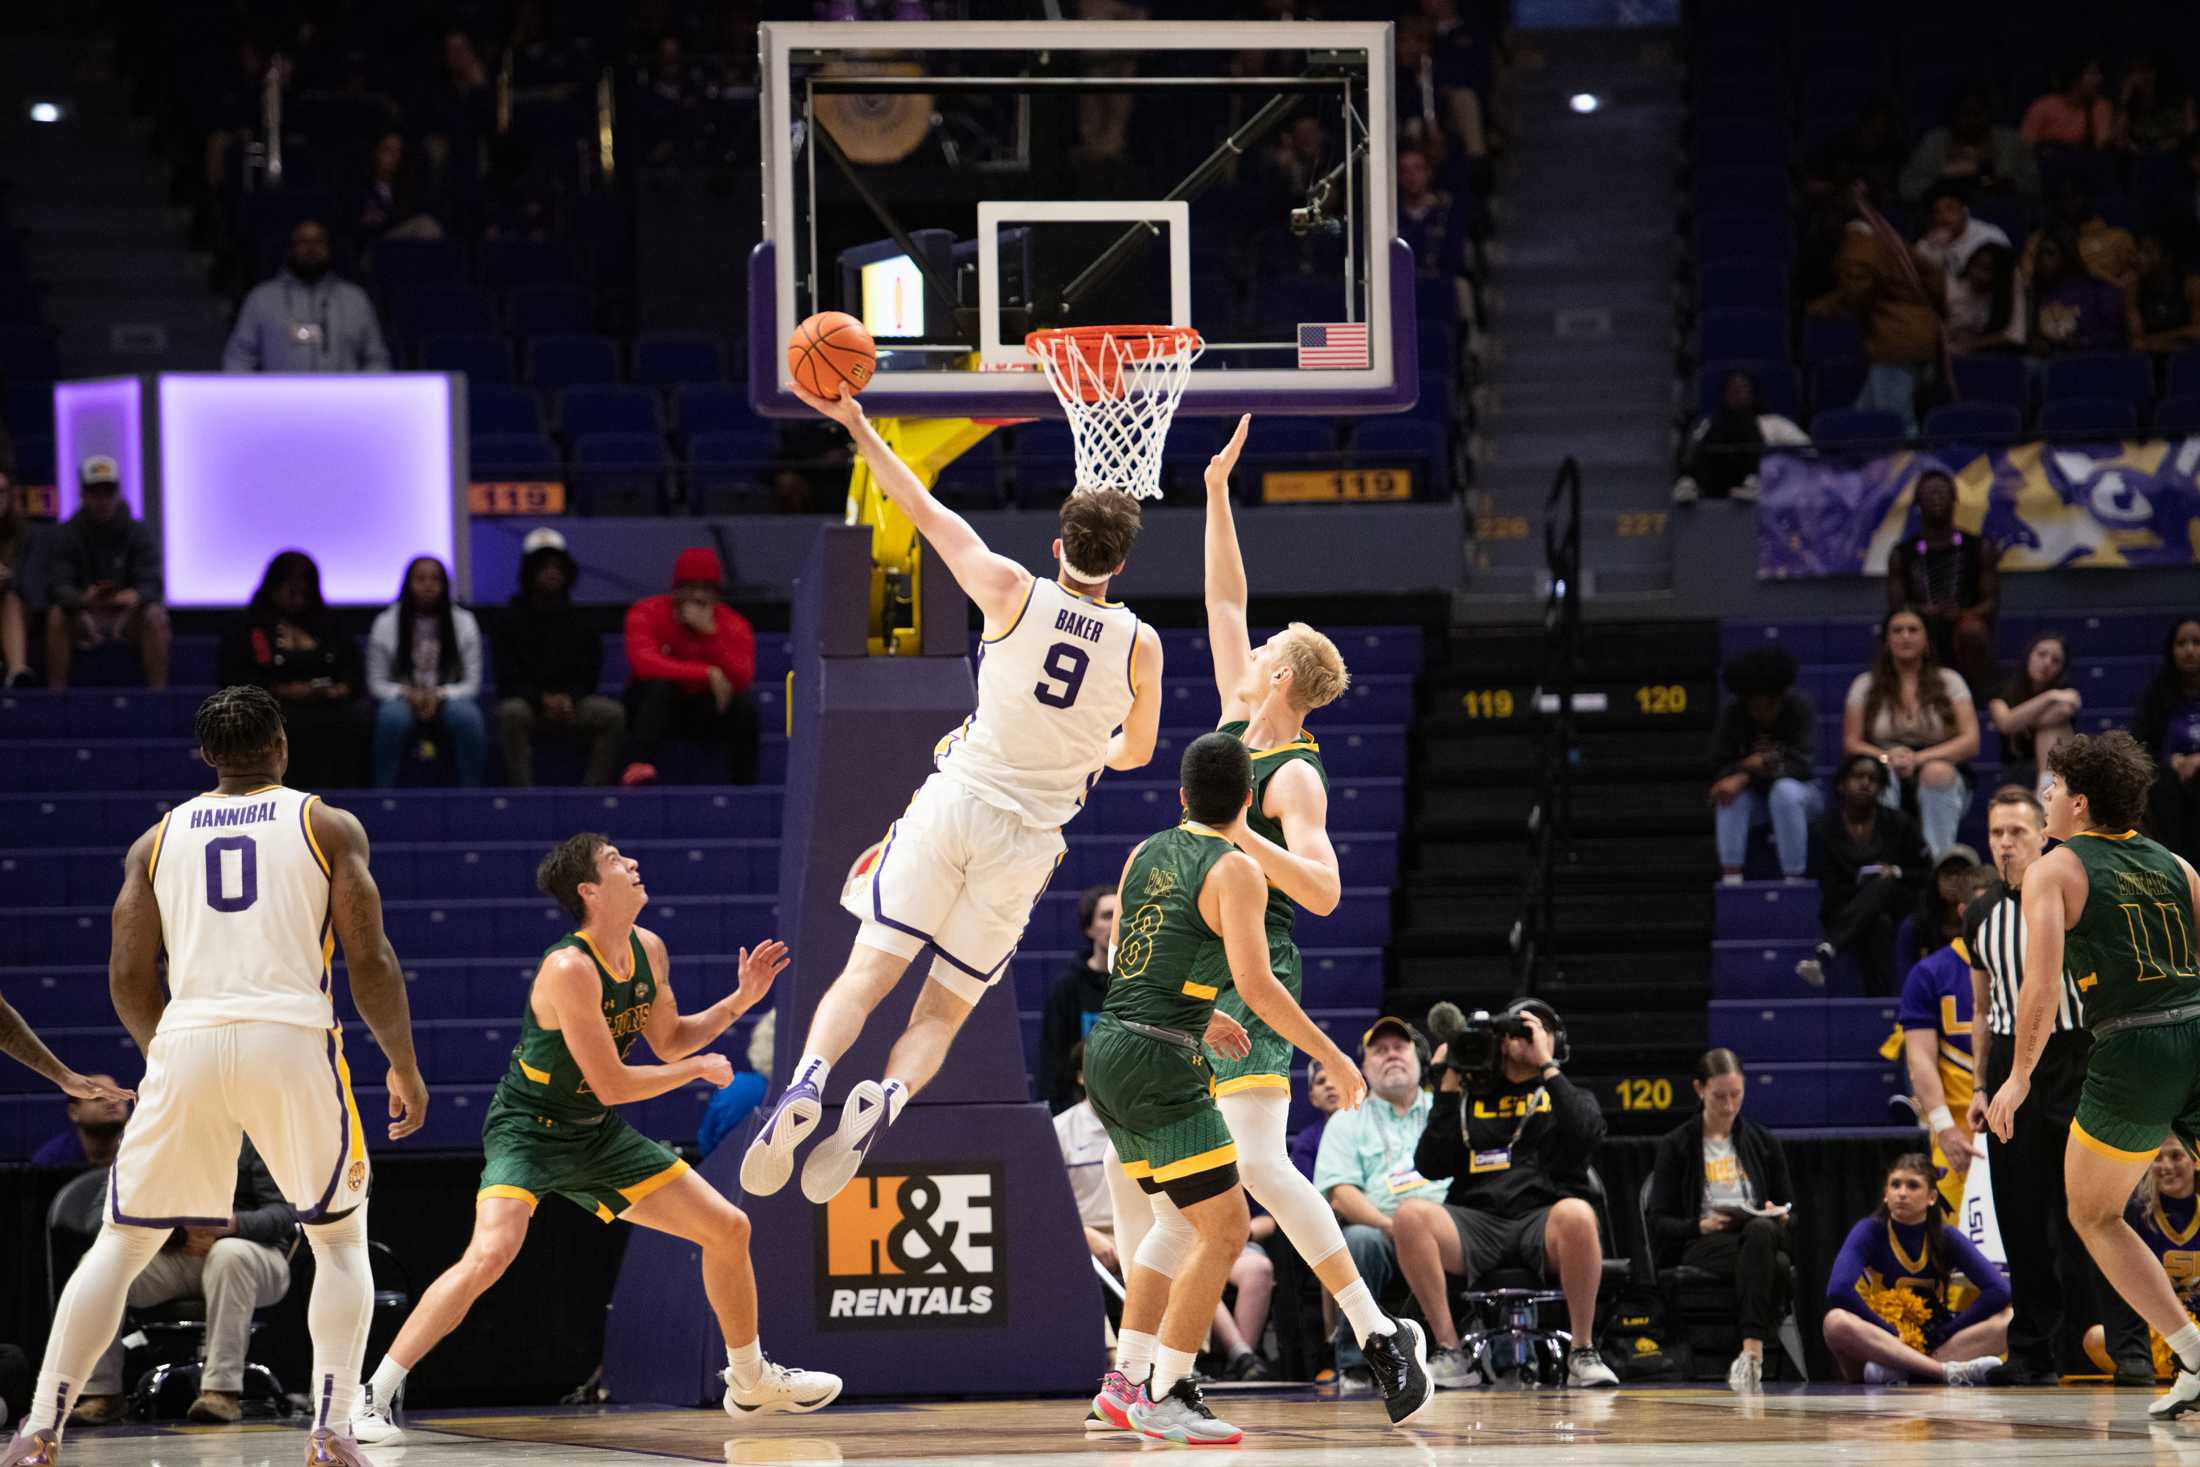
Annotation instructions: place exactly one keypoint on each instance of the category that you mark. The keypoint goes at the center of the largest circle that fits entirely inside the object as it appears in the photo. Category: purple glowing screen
(100, 416)
(357, 471)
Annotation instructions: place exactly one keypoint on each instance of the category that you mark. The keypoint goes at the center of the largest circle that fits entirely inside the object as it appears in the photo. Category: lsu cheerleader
(1888, 1315)
(2166, 1215)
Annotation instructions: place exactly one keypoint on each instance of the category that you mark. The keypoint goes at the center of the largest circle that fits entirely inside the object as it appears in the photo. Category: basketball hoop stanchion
(927, 446)
(1119, 385)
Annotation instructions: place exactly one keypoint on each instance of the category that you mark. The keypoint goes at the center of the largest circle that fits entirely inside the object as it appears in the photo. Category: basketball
(831, 353)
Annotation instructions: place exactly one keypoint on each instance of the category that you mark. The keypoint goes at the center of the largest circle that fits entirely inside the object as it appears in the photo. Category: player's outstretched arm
(1242, 896)
(20, 1044)
(377, 982)
(1132, 745)
(1227, 637)
(996, 583)
(568, 987)
(1305, 869)
(133, 958)
(673, 1035)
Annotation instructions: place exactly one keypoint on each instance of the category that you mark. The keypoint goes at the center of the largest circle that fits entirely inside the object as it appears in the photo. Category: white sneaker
(2183, 1396)
(1453, 1370)
(1877, 1374)
(1182, 1417)
(769, 1161)
(1685, 491)
(1747, 1374)
(834, 1161)
(780, 1388)
(374, 1423)
(1586, 1367)
(1971, 1372)
(1748, 491)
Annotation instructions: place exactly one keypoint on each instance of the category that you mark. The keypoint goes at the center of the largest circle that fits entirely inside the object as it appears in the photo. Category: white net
(1120, 386)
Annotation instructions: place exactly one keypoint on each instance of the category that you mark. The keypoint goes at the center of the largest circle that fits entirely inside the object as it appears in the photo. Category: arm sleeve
(1992, 1283)
(1848, 1270)
(1577, 1125)
(1668, 1222)
(469, 655)
(1437, 1155)
(736, 650)
(381, 654)
(242, 353)
(1337, 1164)
(644, 660)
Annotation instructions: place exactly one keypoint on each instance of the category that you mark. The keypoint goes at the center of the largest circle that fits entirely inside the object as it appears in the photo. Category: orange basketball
(831, 354)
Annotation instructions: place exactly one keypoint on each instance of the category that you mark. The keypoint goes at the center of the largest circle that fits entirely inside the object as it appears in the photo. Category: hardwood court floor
(1697, 1426)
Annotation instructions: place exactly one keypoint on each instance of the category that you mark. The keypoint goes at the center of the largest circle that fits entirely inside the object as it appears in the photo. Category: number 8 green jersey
(1169, 964)
(2132, 947)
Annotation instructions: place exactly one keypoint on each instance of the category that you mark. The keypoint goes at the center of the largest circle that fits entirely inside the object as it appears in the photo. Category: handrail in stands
(1550, 819)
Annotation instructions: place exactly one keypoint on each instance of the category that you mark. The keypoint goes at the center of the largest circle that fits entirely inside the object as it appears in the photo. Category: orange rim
(1104, 369)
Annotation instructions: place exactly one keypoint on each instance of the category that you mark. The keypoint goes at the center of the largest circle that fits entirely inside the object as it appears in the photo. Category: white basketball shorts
(205, 1090)
(958, 874)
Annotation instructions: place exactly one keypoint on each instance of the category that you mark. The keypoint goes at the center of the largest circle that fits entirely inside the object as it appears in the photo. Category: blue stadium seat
(701, 408)
(586, 410)
(515, 456)
(1991, 379)
(495, 408)
(2106, 416)
(1405, 440)
(481, 358)
(1831, 426)
(1741, 188)
(2126, 376)
(1974, 420)
(509, 262)
(620, 473)
(1832, 339)
(1742, 336)
(1740, 145)
(1743, 285)
(545, 309)
(746, 455)
(675, 358)
(29, 408)
(1743, 234)
(1775, 385)
(2178, 415)
(1836, 384)
(2184, 374)
(1295, 438)
(439, 308)
(572, 360)
(403, 262)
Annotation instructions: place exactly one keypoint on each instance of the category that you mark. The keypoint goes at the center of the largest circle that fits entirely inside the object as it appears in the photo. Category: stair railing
(1534, 936)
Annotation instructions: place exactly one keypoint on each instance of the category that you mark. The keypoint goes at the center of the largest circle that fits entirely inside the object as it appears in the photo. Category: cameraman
(1514, 1148)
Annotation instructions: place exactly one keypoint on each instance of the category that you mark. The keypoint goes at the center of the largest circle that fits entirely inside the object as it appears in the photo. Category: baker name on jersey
(205, 817)
(1078, 625)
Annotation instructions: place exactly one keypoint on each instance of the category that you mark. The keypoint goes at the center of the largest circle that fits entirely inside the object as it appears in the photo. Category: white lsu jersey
(1052, 690)
(244, 911)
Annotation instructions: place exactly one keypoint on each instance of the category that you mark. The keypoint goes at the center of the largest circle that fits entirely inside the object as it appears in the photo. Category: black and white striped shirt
(1994, 931)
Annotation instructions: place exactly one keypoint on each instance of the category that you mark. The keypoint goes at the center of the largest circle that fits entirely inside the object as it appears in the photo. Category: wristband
(1940, 1119)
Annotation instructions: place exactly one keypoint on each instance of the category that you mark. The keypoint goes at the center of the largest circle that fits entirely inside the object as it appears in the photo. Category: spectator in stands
(1762, 750)
(1953, 233)
(1987, 309)
(391, 206)
(1321, 1094)
(15, 548)
(306, 319)
(1871, 149)
(1463, 75)
(1938, 920)
(1951, 580)
(1974, 150)
(2164, 314)
(1720, 1200)
(549, 661)
(1916, 716)
(1364, 1164)
(2107, 251)
(1895, 297)
(1726, 448)
(2154, 111)
(2037, 710)
(1888, 1314)
(1526, 1214)
(95, 1130)
(103, 580)
(1073, 1003)
(1432, 221)
(289, 643)
(424, 674)
(2072, 310)
(457, 112)
(2168, 724)
(1870, 863)
(2074, 117)
(1433, 112)
(692, 658)
(236, 1268)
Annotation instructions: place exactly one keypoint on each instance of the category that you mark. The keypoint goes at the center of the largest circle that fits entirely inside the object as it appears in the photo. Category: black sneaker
(1247, 1367)
(2011, 1373)
(1398, 1361)
(2136, 1373)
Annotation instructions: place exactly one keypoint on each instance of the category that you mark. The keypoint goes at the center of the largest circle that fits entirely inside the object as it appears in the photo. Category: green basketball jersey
(544, 1077)
(1169, 964)
(1266, 762)
(2131, 949)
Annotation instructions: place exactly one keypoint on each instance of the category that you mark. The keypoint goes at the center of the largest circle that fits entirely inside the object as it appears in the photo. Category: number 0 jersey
(243, 891)
(1052, 690)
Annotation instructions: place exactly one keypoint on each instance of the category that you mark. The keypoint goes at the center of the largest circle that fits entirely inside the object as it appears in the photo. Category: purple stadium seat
(586, 410)
(2102, 416)
(1741, 335)
(572, 359)
(2126, 376)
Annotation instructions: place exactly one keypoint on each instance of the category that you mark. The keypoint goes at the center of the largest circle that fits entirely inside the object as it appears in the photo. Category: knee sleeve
(1133, 1209)
(1257, 1119)
(1169, 1241)
(338, 1314)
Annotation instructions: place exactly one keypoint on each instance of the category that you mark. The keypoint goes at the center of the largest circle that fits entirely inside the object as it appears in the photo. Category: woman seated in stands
(2037, 711)
(288, 642)
(424, 674)
(2166, 1215)
(1891, 1312)
(1719, 1201)
(1721, 457)
(2168, 723)
(1915, 716)
(1986, 303)
(1870, 863)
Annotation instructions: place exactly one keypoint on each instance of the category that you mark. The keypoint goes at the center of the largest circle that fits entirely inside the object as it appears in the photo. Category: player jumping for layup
(1069, 683)
(242, 885)
(550, 1128)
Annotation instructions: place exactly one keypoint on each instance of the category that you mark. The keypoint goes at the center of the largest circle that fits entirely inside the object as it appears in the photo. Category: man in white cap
(549, 661)
(103, 584)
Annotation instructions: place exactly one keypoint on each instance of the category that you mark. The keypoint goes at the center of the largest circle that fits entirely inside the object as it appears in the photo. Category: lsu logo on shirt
(922, 1246)
(1513, 1107)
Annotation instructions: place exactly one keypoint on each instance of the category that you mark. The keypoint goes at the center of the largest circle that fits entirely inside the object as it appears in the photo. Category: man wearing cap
(549, 660)
(103, 581)
(693, 659)
(306, 318)
(1365, 1169)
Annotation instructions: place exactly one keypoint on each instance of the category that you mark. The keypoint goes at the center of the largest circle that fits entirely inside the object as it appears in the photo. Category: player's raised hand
(1218, 467)
(844, 409)
(1227, 1037)
(84, 1087)
(408, 1102)
(757, 971)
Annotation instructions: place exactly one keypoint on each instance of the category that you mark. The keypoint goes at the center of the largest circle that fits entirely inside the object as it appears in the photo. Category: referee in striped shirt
(2056, 1290)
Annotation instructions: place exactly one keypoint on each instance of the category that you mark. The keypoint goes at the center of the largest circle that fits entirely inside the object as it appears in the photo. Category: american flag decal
(1333, 346)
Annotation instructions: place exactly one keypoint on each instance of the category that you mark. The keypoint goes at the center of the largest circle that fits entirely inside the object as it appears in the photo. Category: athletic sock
(2185, 1345)
(745, 1363)
(1359, 1306)
(1134, 1353)
(897, 1096)
(1169, 1367)
(388, 1379)
(813, 1068)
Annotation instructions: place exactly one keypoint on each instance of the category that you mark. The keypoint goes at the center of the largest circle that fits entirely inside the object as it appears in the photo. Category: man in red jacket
(692, 659)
